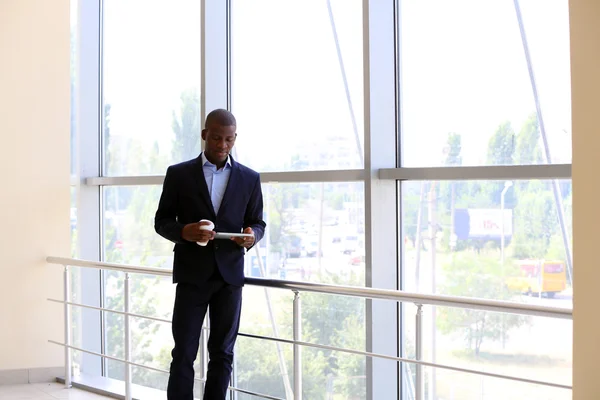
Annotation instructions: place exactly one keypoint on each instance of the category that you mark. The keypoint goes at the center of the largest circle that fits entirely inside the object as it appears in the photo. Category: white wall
(34, 174)
(585, 67)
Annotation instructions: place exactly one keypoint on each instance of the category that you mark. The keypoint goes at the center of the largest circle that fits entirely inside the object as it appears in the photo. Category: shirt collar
(206, 162)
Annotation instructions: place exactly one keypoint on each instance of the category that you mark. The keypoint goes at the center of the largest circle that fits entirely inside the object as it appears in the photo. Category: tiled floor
(45, 391)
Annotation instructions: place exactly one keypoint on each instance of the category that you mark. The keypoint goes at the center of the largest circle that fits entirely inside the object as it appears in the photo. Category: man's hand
(246, 242)
(193, 233)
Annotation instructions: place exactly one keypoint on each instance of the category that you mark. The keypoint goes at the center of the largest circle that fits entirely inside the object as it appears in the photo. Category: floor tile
(45, 391)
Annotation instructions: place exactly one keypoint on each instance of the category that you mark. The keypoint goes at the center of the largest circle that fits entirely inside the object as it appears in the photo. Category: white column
(381, 207)
(89, 117)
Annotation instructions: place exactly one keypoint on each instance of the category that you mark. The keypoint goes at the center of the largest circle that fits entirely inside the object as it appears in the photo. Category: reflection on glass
(151, 85)
(498, 240)
(315, 232)
(297, 93)
(466, 83)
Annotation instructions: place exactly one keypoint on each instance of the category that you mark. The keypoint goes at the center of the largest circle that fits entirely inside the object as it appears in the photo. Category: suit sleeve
(253, 217)
(165, 220)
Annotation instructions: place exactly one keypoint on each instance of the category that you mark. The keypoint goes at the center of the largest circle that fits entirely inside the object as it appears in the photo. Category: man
(212, 187)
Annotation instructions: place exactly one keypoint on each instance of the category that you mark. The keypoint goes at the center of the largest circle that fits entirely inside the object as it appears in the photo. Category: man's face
(219, 142)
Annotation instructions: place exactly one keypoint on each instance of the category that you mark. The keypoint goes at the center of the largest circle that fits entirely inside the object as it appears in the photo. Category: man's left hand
(246, 242)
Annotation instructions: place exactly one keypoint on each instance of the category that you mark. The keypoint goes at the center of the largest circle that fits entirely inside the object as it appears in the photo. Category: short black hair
(221, 117)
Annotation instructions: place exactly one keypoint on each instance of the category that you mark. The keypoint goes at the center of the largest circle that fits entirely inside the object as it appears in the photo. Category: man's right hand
(193, 233)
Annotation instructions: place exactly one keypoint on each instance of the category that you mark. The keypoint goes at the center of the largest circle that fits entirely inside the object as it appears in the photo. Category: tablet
(228, 235)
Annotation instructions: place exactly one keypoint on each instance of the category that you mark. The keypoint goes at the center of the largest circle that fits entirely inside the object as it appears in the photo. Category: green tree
(501, 146)
(351, 368)
(528, 150)
(479, 276)
(283, 200)
(536, 221)
(186, 126)
(327, 319)
(449, 190)
(453, 149)
(411, 196)
(501, 151)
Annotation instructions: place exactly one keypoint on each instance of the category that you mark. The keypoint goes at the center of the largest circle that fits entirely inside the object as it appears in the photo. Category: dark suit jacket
(185, 199)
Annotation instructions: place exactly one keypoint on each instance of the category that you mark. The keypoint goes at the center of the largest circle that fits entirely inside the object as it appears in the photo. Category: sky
(462, 65)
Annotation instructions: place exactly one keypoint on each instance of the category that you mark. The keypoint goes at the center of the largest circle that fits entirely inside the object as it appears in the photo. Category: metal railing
(297, 287)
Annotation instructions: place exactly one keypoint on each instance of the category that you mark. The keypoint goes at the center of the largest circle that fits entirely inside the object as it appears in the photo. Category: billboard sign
(481, 223)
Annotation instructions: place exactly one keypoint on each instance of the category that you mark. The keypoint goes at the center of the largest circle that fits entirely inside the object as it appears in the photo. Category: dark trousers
(224, 303)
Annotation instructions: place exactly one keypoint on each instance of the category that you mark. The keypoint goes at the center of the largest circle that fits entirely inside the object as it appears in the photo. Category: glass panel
(333, 320)
(330, 374)
(151, 85)
(128, 221)
(326, 320)
(263, 367)
(267, 312)
(129, 237)
(466, 83)
(298, 93)
(498, 240)
(315, 232)
(488, 239)
(151, 340)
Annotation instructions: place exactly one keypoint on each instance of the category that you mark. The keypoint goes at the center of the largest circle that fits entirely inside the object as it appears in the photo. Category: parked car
(294, 246)
(312, 248)
(351, 244)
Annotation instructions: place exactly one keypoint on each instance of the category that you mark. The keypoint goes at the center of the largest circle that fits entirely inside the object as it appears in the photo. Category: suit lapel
(234, 178)
(201, 180)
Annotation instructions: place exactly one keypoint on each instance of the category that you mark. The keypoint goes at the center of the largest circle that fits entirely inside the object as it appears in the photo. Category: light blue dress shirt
(216, 180)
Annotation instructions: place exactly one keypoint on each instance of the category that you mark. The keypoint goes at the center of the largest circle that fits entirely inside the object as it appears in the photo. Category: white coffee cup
(207, 227)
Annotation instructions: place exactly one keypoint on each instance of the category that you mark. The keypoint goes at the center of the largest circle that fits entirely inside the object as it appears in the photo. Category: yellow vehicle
(540, 277)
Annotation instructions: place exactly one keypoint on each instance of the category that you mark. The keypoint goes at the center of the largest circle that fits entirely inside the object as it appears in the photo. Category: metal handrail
(297, 287)
(510, 307)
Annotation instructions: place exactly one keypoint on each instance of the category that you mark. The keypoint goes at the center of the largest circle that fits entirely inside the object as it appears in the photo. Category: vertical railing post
(420, 385)
(127, 340)
(67, 297)
(297, 347)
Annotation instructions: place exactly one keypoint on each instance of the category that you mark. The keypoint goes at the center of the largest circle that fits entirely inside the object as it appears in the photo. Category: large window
(297, 84)
(297, 91)
(401, 145)
(499, 240)
(487, 85)
(151, 85)
(465, 73)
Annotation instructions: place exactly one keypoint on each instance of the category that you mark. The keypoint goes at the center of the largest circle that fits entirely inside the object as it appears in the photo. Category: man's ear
(203, 134)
